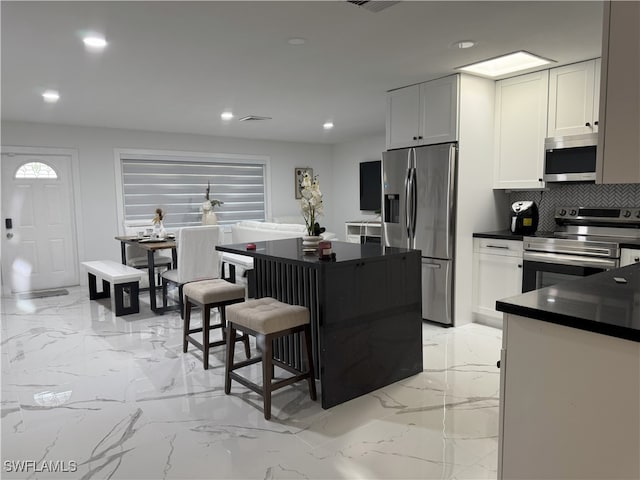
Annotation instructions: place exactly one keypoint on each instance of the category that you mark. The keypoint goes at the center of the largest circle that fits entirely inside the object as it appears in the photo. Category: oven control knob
(573, 212)
(638, 214)
(627, 214)
(562, 212)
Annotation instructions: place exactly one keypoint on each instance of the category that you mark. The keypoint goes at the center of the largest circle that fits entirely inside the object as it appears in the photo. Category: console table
(365, 309)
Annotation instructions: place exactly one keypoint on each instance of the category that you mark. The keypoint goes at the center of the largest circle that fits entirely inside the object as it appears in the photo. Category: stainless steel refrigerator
(418, 211)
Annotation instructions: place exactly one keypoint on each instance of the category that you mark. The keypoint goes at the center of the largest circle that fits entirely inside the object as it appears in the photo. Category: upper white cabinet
(520, 130)
(403, 117)
(618, 145)
(574, 97)
(423, 114)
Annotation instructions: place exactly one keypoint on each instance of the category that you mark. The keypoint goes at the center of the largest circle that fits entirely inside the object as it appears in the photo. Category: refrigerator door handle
(432, 265)
(407, 212)
(414, 202)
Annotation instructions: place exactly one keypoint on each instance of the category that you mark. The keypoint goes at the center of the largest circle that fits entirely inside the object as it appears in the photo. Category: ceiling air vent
(372, 5)
(250, 118)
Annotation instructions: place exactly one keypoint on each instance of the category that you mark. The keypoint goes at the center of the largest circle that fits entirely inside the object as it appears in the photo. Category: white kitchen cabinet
(569, 403)
(574, 95)
(423, 114)
(403, 117)
(520, 130)
(361, 231)
(497, 274)
(629, 256)
(618, 151)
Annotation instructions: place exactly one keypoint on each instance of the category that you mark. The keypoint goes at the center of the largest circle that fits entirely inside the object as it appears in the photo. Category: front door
(38, 228)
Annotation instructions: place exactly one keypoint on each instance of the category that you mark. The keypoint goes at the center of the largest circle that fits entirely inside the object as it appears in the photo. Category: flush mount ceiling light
(463, 44)
(505, 64)
(51, 96)
(226, 115)
(94, 42)
(328, 125)
(296, 41)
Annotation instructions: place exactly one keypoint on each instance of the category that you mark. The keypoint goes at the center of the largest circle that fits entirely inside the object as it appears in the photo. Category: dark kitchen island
(365, 309)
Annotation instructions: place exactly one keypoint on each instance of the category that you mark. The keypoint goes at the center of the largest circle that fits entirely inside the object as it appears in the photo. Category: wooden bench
(123, 278)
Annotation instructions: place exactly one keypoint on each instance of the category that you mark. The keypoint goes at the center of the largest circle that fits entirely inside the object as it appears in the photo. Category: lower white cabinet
(497, 274)
(629, 256)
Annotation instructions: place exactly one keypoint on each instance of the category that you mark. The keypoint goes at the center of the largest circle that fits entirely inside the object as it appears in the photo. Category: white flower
(311, 201)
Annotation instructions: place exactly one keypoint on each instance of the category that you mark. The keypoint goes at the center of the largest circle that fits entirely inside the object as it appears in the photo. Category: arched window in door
(35, 170)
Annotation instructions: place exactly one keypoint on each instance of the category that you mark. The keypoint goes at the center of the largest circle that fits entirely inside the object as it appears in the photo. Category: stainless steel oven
(586, 241)
(541, 270)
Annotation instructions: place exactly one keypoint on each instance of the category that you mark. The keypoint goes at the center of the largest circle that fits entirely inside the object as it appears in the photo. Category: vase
(209, 218)
(311, 241)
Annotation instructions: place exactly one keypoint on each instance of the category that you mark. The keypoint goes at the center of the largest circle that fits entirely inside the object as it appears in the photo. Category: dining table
(151, 246)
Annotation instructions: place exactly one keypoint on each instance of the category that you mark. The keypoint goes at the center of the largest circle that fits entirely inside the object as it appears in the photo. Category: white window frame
(183, 156)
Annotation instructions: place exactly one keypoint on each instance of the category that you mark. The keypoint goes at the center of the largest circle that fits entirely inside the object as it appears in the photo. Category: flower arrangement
(311, 203)
(208, 204)
(157, 220)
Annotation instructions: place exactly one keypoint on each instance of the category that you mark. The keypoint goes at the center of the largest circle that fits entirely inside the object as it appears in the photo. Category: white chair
(137, 257)
(197, 260)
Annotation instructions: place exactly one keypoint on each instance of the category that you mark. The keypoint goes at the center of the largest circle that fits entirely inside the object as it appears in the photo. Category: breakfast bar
(365, 307)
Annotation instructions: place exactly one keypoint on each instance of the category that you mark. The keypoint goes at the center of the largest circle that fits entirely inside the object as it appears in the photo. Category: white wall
(95, 147)
(345, 199)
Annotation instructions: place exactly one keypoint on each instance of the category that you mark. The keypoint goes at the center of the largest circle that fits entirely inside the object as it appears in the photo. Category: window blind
(178, 186)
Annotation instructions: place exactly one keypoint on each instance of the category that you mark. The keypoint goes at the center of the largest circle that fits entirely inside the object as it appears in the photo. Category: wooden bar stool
(268, 319)
(208, 294)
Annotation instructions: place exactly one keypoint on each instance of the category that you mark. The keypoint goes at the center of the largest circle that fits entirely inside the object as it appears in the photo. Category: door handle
(432, 265)
(9, 235)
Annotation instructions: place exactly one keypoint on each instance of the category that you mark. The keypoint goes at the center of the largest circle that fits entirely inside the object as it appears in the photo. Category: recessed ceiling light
(505, 64)
(226, 115)
(464, 44)
(328, 125)
(94, 42)
(51, 96)
(296, 41)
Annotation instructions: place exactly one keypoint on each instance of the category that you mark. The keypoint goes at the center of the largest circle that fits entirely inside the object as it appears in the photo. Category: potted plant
(312, 207)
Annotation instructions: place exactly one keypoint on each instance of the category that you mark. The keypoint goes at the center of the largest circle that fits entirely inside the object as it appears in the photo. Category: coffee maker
(524, 218)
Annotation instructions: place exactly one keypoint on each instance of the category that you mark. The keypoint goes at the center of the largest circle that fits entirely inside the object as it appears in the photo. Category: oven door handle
(572, 260)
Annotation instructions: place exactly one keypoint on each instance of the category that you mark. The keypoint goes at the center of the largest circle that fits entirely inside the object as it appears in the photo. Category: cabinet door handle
(595, 123)
(502, 247)
(636, 259)
(587, 124)
(419, 137)
(519, 266)
(415, 138)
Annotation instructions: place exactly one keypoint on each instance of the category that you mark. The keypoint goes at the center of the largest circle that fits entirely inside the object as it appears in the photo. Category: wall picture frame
(298, 175)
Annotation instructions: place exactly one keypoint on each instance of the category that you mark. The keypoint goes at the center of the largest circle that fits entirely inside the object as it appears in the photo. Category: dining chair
(137, 257)
(197, 260)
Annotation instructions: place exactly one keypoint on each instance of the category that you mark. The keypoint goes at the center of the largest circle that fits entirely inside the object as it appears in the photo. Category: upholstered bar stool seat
(268, 319)
(208, 294)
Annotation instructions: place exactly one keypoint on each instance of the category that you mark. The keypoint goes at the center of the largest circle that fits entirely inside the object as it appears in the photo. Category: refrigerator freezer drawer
(437, 287)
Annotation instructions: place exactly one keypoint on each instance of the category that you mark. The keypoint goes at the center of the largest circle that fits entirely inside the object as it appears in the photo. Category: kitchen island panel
(569, 403)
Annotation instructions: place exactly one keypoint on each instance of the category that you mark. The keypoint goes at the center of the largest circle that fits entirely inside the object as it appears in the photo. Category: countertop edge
(569, 321)
(499, 235)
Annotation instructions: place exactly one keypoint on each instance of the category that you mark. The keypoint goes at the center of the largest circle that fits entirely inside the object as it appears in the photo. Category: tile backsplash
(578, 195)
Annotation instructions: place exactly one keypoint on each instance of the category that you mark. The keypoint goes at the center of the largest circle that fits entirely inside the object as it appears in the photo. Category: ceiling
(175, 66)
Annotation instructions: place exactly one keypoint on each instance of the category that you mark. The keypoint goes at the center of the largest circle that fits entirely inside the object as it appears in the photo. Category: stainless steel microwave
(571, 158)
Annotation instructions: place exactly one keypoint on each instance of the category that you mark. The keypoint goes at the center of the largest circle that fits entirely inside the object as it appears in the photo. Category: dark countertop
(595, 303)
(498, 235)
(291, 249)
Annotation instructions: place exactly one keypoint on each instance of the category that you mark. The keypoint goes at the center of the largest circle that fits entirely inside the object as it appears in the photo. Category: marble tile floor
(115, 398)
